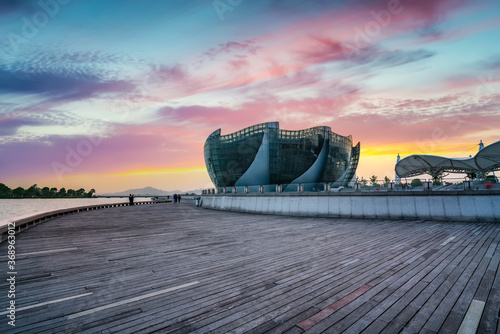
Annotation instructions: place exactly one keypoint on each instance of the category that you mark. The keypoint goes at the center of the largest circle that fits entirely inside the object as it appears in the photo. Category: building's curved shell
(486, 160)
(264, 154)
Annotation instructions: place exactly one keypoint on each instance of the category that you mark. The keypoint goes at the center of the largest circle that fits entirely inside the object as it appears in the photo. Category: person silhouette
(131, 199)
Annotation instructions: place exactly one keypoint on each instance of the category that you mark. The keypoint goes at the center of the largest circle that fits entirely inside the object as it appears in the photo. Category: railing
(361, 186)
(16, 225)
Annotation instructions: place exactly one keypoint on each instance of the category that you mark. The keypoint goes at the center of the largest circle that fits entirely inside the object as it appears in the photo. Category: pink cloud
(239, 64)
(438, 121)
(478, 83)
(325, 50)
(117, 153)
(162, 73)
(408, 120)
(355, 26)
(246, 47)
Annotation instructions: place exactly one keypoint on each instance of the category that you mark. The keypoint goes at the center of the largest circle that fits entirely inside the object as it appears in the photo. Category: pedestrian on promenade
(131, 199)
(179, 198)
(175, 198)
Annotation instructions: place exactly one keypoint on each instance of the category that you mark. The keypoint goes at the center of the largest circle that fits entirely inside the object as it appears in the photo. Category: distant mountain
(150, 191)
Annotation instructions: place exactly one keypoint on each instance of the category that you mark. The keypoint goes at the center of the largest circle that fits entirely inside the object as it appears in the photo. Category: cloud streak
(55, 85)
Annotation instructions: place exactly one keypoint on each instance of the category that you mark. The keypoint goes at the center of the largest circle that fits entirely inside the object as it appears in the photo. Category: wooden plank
(312, 321)
(130, 300)
(472, 317)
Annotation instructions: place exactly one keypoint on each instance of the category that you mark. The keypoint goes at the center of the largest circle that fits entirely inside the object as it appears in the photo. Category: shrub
(416, 183)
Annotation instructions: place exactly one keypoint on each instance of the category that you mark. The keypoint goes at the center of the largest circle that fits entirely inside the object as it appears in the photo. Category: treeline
(35, 192)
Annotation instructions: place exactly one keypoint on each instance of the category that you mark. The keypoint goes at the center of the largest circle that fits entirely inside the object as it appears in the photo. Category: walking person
(179, 198)
(131, 199)
(175, 198)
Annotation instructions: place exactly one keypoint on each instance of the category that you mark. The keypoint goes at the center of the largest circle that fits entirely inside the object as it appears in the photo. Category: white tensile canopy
(486, 160)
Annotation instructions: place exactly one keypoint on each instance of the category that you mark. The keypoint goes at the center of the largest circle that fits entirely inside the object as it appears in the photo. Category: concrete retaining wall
(459, 206)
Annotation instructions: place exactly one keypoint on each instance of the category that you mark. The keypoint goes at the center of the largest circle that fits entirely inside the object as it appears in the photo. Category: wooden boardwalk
(176, 268)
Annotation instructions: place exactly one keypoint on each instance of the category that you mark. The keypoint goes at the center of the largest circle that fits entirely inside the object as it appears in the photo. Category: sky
(115, 95)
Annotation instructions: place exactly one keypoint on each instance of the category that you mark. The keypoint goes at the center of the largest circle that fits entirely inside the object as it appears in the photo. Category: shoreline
(13, 208)
(23, 222)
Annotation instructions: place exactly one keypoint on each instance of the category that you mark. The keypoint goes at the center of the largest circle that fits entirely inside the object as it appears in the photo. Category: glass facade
(311, 155)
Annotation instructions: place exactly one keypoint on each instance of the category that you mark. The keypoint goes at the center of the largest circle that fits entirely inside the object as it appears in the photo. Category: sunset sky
(114, 95)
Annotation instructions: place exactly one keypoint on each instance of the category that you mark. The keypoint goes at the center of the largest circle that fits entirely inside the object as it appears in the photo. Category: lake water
(11, 208)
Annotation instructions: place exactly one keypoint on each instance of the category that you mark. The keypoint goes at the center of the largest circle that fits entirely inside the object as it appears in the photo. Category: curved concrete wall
(458, 206)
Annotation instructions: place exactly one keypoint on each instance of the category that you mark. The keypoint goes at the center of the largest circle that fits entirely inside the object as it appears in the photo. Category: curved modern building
(264, 154)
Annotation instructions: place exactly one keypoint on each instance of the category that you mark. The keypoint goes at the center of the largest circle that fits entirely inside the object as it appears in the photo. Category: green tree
(437, 179)
(46, 192)
(5, 192)
(32, 191)
(472, 176)
(80, 192)
(416, 183)
(62, 192)
(373, 180)
(363, 181)
(387, 179)
(18, 192)
(491, 178)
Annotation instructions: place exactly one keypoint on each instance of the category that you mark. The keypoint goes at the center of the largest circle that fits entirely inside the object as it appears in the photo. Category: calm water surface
(11, 208)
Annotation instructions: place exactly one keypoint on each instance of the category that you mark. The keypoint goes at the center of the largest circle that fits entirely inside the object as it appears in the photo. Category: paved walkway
(175, 268)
